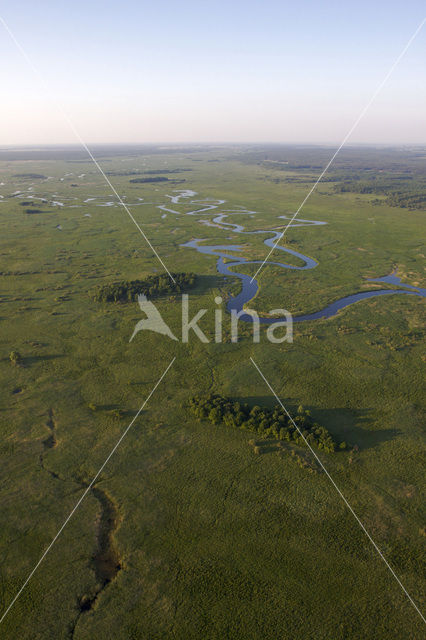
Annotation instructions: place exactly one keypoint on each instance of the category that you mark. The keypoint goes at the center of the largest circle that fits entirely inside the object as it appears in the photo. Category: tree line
(268, 423)
(151, 172)
(152, 286)
(154, 179)
(30, 176)
(402, 192)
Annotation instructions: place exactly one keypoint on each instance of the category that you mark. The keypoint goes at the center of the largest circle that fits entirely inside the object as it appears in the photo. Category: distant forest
(396, 173)
(403, 191)
(152, 172)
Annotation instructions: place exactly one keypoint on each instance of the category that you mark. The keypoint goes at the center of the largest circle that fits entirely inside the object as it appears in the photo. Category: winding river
(249, 287)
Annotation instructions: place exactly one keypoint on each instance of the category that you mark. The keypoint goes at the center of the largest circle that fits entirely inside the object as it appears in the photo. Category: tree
(214, 415)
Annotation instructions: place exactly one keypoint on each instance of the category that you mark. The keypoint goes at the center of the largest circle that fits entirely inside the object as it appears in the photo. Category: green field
(188, 533)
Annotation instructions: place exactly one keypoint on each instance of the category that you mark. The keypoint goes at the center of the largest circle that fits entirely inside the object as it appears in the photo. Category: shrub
(117, 413)
(15, 358)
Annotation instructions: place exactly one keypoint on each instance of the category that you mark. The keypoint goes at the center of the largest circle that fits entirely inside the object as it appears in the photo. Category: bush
(117, 413)
(15, 358)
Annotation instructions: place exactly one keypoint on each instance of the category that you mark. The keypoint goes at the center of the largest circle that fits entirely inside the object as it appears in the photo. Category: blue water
(249, 287)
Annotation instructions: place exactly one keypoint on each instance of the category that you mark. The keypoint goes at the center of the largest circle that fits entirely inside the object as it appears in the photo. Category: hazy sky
(198, 70)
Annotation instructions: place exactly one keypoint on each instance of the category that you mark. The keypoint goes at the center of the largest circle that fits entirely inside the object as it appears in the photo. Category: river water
(249, 287)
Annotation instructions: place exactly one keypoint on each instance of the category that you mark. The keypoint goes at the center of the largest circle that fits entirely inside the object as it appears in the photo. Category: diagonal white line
(84, 145)
(86, 491)
(318, 459)
(345, 139)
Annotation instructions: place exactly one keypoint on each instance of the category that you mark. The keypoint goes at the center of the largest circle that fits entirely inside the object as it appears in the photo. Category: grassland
(188, 534)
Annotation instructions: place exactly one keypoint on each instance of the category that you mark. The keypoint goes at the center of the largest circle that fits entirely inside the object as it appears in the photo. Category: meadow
(188, 533)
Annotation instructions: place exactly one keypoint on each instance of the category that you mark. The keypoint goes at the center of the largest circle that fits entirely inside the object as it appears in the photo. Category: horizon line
(210, 144)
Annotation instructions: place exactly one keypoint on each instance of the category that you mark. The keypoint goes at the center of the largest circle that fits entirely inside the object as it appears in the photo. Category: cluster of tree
(155, 179)
(407, 200)
(268, 423)
(30, 176)
(290, 180)
(152, 286)
(355, 186)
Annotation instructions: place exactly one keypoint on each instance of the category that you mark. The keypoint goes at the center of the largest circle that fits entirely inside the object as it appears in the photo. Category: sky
(202, 71)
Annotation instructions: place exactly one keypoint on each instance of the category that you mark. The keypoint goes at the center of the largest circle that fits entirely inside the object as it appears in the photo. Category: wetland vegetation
(188, 533)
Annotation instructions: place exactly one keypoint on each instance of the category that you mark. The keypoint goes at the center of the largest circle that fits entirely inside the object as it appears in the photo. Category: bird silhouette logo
(153, 320)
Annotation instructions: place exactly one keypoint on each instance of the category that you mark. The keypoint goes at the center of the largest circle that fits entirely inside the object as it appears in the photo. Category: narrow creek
(49, 442)
(105, 561)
